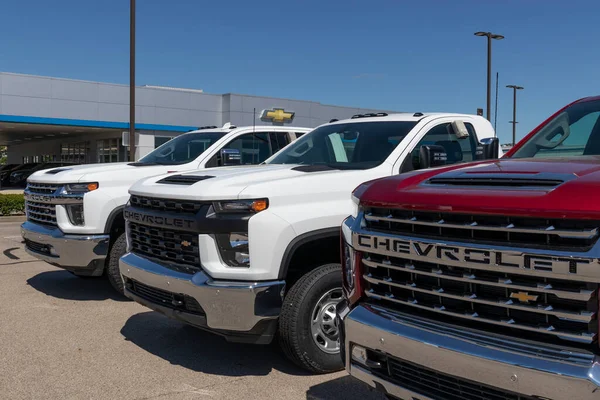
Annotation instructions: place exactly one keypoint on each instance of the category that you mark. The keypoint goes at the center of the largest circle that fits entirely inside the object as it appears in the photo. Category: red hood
(549, 188)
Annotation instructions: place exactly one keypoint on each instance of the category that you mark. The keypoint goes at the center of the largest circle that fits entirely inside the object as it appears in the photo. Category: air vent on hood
(313, 168)
(505, 182)
(57, 170)
(184, 179)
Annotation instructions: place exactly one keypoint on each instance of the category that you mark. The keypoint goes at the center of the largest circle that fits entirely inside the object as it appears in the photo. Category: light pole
(514, 121)
(132, 80)
(489, 36)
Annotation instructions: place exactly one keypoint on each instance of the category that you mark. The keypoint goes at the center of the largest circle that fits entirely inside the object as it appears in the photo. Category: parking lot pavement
(63, 337)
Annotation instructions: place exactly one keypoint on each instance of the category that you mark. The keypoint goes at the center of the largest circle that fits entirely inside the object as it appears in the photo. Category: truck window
(182, 149)
(574, 132)
(458, 150)
(254, 149)
(346, 146)
(278, 141)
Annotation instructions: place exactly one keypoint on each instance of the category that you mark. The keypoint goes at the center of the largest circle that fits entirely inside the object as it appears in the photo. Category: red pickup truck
(480, 281)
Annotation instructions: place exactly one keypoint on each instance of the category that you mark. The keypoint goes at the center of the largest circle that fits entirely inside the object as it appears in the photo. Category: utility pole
(131, 80)
(514, 120)
(489, 36)
(496, 107)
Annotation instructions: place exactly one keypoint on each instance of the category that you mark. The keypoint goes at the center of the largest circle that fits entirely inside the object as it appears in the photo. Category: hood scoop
(508, 180)
(57, 170)
(185, 180)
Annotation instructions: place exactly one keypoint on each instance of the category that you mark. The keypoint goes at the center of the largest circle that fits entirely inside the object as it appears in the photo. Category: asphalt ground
(64, 337)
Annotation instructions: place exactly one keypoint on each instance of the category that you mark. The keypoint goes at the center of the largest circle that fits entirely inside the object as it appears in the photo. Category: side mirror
(488, 149)
(432, 156)
(230, 157)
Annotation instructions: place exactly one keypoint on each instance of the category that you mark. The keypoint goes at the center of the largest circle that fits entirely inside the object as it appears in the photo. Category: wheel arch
(306, 241)
(115, 222)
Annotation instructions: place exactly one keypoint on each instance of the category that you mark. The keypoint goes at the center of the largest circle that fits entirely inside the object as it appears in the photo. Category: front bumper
(498, 364)
(83, 254)
(239, 311)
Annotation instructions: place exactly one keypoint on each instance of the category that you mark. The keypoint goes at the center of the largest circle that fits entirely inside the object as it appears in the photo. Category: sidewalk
(11, 191)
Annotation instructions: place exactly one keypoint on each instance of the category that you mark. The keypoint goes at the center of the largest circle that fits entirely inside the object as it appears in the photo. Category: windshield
(574, 132)
(182, 149)
(346, 146)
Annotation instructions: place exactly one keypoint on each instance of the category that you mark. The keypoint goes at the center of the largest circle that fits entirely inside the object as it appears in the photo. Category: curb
(12, 218)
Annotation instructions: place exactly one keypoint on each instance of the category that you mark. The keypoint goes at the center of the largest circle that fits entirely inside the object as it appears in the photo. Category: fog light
(75, 213)
(234, 250)
(359, 354)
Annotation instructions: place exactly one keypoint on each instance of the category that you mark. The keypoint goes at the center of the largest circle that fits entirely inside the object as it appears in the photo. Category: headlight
(233, 248)
(80, 187)
(240, 206)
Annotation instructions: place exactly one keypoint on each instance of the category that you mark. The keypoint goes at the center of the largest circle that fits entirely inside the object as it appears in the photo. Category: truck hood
(272, 181)
(113, 173)
(544, 188)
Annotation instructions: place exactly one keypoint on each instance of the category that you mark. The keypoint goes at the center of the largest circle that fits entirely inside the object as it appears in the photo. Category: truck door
(458, 149)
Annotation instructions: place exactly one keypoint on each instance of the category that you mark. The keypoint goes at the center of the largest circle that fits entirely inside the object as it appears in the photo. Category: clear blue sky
(398, 55)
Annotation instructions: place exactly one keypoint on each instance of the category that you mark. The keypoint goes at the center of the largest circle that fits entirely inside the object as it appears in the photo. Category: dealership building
(55, 119)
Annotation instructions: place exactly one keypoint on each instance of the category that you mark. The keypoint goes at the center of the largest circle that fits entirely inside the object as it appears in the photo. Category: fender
(112, 216)
(299, 241)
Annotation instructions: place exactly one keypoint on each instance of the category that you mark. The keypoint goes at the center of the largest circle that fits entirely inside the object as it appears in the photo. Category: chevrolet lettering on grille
(478, 258)
(157, 220)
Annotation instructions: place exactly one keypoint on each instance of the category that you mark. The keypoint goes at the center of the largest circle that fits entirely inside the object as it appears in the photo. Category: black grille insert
(37, 247)
(441, 386)
(165, 298)
(179, 249)
(179, 206)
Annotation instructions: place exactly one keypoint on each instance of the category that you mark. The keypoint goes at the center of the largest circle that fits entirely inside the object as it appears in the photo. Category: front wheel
(118, 249)
(308, 331)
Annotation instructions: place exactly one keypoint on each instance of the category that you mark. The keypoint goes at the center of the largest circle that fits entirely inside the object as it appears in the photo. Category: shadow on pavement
(64, 285)
(202, 351)
(346, 388)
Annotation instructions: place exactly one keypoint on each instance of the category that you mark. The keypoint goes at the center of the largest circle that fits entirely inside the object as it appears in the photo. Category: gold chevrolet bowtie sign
(523, 297)
(277, 116)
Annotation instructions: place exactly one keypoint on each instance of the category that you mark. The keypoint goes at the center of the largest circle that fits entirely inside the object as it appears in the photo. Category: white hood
(270, 181)
(113, 173)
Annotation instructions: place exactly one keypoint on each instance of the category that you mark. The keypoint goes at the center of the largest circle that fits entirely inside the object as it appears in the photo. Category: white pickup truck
(248, 252)
(75, 213)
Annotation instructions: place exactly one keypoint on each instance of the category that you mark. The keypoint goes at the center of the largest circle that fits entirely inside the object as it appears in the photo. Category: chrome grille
(553, 308)
(516, 231)
(41, 188)
(179, 206)
(179, 249)
(42, 213)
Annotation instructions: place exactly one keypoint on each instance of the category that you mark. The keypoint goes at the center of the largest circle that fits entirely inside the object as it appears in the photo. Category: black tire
(118, 249)
(295, 336)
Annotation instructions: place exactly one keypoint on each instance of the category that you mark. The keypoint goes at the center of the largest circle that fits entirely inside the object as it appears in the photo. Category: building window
(160, 140)
(73, 152)
(109, 150)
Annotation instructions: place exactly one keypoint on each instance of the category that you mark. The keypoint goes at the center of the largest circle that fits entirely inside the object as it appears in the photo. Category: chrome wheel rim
(324, 329)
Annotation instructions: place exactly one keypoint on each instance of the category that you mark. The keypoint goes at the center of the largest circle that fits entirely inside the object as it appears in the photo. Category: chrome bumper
(228, 306)
(504, 364)
(72, 252)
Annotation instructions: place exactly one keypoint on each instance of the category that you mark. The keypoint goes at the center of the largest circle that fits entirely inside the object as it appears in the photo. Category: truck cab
(252, 253)
(75, 213)
(481, 280)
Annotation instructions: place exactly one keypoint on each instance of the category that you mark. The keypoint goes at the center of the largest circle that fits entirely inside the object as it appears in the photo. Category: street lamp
(514, 121)
(132, 80)
(489, 36)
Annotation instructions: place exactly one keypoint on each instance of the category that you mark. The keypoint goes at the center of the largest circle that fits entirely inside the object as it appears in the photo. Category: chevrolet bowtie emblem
(277, 115)
(185, 243)
(523, 297)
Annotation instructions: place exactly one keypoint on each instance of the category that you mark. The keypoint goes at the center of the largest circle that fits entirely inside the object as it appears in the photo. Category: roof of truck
(408, 116)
